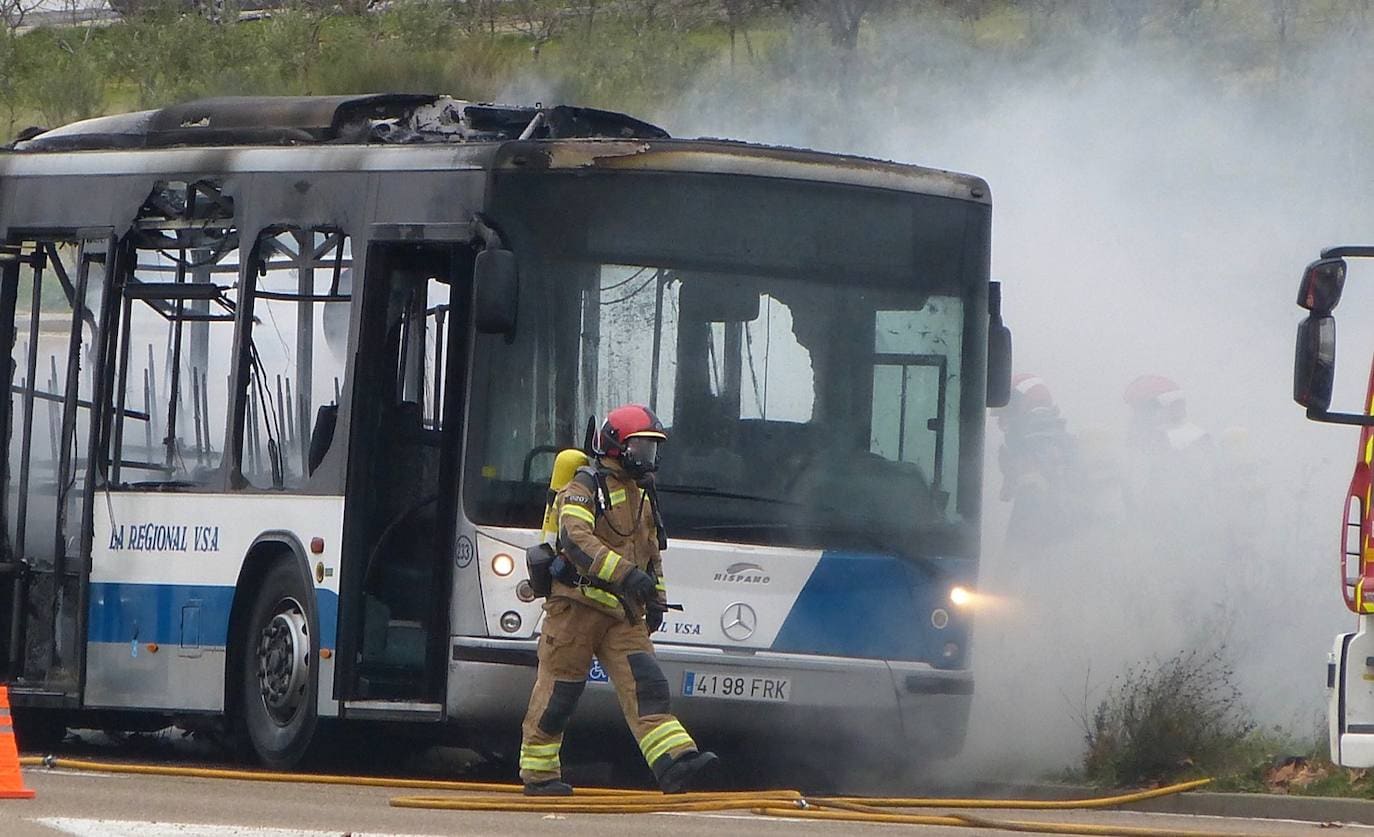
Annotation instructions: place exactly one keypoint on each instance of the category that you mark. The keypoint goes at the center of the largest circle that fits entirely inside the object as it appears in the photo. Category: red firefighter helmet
(1030, 392)
(624, 425)
(1030, 398)
(1157, 394)
(1152, 390)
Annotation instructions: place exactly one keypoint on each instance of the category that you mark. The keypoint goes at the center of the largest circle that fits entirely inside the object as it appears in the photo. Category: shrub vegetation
(642, 56)
(1160, 721)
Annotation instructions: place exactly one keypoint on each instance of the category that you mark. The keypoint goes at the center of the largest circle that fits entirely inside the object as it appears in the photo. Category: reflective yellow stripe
(530, 763)
(617, 496)
(659, 586)
(600, 596)
(578, 512)
(658, 733)
(540, 756)
(662, 738)
(541, 749)
(671, 743)
(609, 562)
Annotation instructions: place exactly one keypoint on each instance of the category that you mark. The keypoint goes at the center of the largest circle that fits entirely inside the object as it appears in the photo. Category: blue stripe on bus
(878, 607)
(125, 612)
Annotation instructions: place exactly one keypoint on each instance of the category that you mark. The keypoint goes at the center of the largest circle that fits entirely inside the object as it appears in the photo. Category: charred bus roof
(413, 132)
(388, 118)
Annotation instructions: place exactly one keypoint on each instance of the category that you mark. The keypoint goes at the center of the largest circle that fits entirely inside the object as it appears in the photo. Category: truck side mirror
(1322, 283)
(999, 350)
(496, 292)
(1314, 366)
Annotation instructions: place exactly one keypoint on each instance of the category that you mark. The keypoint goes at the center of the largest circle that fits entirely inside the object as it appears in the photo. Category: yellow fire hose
(1020, 804)
(778, 803)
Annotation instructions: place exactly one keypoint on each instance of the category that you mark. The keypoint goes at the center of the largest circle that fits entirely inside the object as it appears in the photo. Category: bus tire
(278, 677)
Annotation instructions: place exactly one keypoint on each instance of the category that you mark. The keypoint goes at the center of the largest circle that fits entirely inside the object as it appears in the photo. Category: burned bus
(288, 376)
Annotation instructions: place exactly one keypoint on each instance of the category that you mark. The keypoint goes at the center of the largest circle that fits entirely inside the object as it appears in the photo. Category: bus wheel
(279, 679)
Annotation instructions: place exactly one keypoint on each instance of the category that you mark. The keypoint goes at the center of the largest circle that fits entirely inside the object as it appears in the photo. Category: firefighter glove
(639, 585)
(653, 615)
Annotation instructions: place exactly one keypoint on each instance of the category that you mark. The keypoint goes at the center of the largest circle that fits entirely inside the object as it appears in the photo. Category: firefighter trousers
(572, 633)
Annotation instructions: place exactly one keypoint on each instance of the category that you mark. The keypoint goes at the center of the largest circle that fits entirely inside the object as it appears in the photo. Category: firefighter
(1035, 456)
(1171, 471)
(1159, 417)
(607, 597)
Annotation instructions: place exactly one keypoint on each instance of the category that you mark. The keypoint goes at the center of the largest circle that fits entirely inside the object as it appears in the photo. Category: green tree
(841, 18)
(12, 15)
(539, 20)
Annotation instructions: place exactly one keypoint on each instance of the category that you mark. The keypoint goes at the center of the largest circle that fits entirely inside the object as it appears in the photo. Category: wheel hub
(284, 661)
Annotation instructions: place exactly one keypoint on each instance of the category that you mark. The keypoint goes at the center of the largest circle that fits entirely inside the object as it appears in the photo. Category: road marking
(1241, 818)
(777, 818)
(133, 828)
(78, 774)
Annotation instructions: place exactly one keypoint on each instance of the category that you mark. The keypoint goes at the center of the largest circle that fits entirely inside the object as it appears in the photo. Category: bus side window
(302, 286)
(421, 351)
(175, 344)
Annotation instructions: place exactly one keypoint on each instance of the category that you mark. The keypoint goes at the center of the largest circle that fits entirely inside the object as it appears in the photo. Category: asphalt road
(89, 804)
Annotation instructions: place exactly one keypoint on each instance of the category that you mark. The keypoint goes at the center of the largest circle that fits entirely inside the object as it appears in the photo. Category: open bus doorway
(402, 481)
(52, 311)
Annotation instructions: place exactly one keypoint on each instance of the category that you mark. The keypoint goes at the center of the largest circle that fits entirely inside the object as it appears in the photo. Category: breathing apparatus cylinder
(565, 465)
(540, 558)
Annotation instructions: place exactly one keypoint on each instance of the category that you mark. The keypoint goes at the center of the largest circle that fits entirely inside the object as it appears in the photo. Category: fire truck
(1350, 665)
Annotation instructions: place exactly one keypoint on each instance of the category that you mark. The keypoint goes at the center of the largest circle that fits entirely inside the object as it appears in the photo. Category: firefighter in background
(1035, 458)
(606, 600)
(1159, 416)
(1096, 477)
(1172, 454)
(1242, 493)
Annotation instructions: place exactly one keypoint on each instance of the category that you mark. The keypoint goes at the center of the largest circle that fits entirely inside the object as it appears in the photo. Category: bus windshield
(812, 349)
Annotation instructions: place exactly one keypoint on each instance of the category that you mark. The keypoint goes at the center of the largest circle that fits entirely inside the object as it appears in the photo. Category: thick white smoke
(1153, 209)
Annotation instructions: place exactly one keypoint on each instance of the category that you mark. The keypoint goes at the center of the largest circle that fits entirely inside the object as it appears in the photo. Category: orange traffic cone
(11, 783)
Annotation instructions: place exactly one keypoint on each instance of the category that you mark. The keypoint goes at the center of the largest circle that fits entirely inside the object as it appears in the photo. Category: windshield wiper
(711, 527)
(707, 491)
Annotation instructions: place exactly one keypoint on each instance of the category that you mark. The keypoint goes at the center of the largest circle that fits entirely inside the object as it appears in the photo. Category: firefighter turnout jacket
(603, 545)
(605, 529)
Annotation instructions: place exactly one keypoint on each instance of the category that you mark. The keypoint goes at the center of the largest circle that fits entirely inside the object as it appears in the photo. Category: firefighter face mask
(641, 455)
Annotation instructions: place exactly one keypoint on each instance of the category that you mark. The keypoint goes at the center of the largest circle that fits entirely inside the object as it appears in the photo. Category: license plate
(736, 686)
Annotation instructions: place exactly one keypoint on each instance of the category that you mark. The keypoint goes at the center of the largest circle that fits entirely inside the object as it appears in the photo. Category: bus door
(402, 483)
(51, 314)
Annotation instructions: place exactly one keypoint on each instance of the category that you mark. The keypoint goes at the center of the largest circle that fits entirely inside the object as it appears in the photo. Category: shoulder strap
(599, 491)
(658, 516)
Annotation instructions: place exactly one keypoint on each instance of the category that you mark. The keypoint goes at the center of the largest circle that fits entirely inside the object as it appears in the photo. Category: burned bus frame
(404, 180)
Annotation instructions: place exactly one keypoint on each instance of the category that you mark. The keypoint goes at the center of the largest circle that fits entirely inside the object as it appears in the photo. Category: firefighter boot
(548, 787)
(691, 771)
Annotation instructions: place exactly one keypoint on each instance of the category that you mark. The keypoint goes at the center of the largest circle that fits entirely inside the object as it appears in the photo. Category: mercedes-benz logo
(738, 621)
